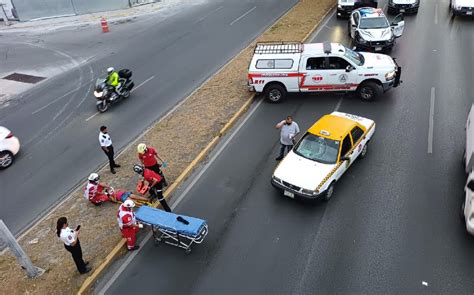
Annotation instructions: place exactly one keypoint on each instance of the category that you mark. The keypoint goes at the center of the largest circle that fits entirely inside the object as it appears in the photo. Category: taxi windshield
(355, 57)
(373, 23)
(319, 149)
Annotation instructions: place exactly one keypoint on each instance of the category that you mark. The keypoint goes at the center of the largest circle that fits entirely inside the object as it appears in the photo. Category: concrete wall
(31, 9)
(90, 6)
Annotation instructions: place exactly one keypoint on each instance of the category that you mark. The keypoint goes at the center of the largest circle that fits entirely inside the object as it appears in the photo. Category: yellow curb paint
(112, 255)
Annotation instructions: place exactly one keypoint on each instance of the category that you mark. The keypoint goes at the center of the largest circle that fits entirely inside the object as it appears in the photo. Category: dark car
(345, 7)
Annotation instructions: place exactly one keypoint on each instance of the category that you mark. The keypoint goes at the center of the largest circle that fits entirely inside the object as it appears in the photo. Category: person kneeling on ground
(155, 181)
(95, 191)
(128, 224)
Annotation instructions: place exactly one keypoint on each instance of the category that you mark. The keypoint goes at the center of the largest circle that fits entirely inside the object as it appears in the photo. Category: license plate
(469, 13)
(378, 48)
(402, 10)
(289, 194)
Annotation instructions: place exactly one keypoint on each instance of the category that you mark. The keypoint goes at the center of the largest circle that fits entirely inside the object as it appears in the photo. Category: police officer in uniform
(106, 145)
(70, 238)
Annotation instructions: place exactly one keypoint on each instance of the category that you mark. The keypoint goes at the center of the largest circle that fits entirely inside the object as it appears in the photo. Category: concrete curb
(87, 284)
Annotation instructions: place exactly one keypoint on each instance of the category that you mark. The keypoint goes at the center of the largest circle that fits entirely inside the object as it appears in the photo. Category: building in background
(25, 10)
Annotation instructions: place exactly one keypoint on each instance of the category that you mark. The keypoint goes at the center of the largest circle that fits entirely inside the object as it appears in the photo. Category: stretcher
(177, 230)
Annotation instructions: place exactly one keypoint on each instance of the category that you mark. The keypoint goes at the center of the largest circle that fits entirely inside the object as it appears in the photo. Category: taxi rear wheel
(363, 153)
(329, 192)
(369, 91)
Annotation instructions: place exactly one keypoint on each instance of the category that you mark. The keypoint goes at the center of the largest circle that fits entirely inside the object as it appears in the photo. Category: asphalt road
(392, 226)
(57, 121)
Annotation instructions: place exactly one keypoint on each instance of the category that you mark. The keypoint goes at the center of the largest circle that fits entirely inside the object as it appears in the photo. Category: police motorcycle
(107, 95)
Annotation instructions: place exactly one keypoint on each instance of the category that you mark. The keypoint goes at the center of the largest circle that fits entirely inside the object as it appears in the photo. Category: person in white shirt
(288, 130)
(106, 145)
(70, 238)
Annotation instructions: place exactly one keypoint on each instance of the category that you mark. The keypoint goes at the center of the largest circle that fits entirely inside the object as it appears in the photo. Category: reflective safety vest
(125, 218)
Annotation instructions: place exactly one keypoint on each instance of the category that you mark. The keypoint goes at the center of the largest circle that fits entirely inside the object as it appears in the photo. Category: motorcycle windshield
(100, 84)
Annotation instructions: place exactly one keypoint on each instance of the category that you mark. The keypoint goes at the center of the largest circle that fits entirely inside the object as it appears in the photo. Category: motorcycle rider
(113, 80)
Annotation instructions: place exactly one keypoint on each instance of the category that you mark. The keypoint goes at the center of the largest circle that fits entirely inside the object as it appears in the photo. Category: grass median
(179, 138)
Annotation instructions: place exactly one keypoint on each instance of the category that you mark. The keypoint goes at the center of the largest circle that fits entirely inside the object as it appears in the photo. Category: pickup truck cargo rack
(279, 47)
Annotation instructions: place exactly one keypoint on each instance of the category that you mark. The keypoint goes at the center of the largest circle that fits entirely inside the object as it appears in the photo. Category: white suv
(462, 7)
(370, 29)
(9, 147)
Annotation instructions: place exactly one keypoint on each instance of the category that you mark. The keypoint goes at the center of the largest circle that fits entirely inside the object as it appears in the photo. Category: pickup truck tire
(368, 91)
(275, 93)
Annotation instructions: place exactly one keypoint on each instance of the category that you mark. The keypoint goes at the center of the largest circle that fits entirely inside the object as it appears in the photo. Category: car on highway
(403, 6)
(467, 209)
(322, 155)
(345, 7)
(279, 68)
(369, 29)
(462, 7)
(9, 147)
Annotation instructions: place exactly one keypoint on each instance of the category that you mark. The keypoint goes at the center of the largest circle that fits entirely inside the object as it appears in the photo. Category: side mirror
(345, 158)
(349, 68)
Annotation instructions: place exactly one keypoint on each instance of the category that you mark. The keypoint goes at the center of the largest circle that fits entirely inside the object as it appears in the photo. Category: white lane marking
(181, 197)
(431, 121)
(139, 85)
(143, 83)
(324, 25)
(436, 14)
(57, 99)
(204, 17)
(92, 116)
(424, 283)
(338, 104)
(243, 15)
(125, 264)
(218, 152)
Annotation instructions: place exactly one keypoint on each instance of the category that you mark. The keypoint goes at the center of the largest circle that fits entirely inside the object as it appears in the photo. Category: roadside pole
(4, 15)
(25, 262)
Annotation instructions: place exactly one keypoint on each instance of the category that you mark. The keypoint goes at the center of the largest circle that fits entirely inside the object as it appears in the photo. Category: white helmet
(141, 148)
(110, 70)
(129, 203)
(94, 177)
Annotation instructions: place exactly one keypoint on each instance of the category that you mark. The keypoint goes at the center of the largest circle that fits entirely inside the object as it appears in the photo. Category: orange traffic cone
(105, 26)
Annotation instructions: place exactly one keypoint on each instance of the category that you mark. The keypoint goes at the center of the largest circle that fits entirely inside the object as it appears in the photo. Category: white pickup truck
(279, 68)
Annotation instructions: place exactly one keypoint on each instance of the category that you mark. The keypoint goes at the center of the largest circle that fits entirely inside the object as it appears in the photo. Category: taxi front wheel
(329, 192)
(368, 91)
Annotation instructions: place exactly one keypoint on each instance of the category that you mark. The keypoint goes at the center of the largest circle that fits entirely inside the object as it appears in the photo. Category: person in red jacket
(128, 224)
(149, 158)
(155, 182)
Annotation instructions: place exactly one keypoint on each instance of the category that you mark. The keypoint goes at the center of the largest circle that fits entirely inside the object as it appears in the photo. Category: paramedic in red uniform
(95, 191)
(149, 158)
(128, 224)
(155, 181)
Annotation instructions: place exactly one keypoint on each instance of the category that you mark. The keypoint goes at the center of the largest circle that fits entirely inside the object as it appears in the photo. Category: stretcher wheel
(188, 251)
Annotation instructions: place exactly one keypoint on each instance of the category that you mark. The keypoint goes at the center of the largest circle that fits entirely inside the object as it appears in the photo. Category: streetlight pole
(25, 262)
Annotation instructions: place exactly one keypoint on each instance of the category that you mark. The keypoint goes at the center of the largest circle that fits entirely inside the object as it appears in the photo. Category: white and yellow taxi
(322, 155)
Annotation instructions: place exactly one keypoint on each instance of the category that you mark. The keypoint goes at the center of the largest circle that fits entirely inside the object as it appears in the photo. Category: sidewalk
(47, 25)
